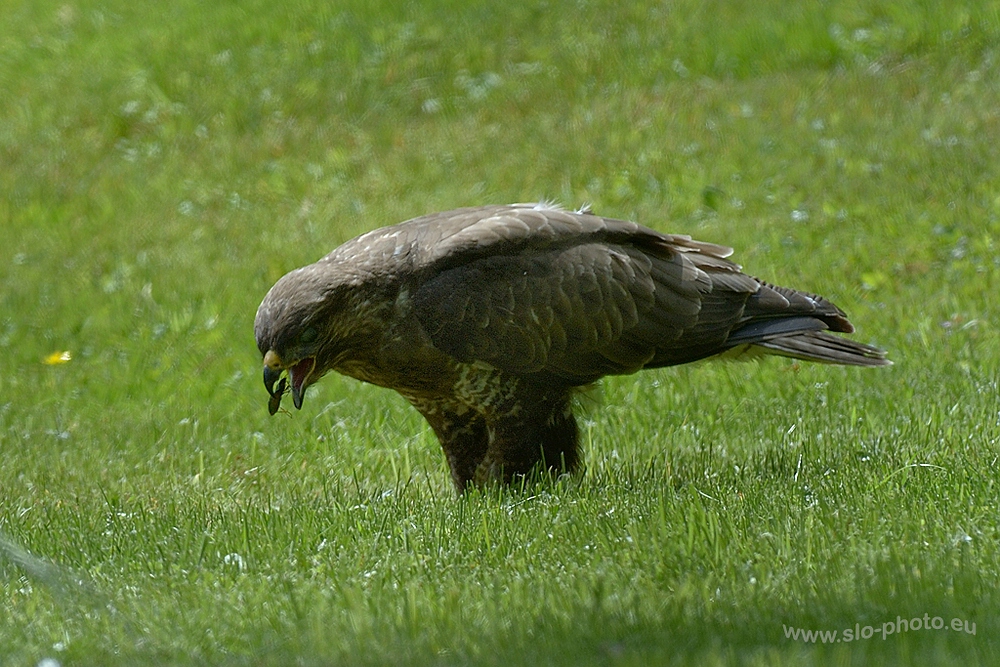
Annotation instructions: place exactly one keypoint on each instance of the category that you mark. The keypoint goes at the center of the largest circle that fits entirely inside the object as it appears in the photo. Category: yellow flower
(57, 358)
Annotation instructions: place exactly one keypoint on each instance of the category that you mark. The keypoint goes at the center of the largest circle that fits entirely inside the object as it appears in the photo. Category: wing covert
(578, 312)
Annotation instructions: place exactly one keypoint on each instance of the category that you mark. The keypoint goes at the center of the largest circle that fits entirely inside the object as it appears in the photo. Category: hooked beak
(271, 376)
(298, 377)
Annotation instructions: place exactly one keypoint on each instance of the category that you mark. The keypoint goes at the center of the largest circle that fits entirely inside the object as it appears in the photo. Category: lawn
(162, 164)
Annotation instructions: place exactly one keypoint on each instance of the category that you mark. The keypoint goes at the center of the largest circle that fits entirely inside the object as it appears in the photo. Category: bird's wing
(439, 241)
(456, 237)
(576, 295)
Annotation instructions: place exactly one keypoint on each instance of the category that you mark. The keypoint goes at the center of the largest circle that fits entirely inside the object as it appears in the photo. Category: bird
(489, 319)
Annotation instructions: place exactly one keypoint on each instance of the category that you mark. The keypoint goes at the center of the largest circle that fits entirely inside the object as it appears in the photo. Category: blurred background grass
(163, 163)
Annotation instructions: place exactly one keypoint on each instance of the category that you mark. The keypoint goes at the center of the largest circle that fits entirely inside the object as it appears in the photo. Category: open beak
(298, 378)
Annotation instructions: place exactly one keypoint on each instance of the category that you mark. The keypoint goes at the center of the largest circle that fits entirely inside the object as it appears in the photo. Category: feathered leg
(540, 435)
(463, 437)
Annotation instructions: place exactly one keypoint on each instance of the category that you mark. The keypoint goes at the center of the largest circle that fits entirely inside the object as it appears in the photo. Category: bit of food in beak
(272, 373)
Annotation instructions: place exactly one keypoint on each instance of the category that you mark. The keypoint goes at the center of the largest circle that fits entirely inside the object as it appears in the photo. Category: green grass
(163, 163)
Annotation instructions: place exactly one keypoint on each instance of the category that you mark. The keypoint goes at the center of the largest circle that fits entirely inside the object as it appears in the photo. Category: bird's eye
(308, 335)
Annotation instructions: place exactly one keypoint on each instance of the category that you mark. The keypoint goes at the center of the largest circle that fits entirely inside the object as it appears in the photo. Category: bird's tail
(827, 348)
(805, 338)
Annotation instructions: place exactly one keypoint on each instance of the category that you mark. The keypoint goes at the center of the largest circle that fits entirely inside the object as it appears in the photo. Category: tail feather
(826, 348)
(756, 331)
(794, 324)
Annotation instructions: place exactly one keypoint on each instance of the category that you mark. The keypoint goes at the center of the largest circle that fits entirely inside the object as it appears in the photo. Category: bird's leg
(464, 445)
(463, 437)
(560, 443)
(540, 437)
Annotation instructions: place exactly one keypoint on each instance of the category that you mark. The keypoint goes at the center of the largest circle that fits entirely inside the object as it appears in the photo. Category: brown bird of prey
(487, 319)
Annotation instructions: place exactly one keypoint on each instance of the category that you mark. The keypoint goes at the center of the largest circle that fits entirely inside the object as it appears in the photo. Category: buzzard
(487, 319)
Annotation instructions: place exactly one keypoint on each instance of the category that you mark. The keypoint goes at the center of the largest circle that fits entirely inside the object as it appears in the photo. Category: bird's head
(296, 330)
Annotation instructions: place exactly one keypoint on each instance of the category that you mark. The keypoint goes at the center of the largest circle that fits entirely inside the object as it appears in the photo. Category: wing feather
(536, 289)
(587, 296)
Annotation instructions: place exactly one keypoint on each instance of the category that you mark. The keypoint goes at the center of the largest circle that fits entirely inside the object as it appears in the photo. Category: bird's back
(533, 288)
